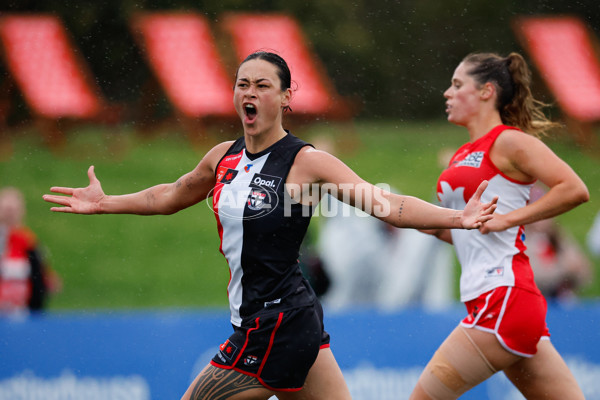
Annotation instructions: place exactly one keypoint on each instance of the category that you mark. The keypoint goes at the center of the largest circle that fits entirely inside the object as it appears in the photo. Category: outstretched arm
(443, 234)
(401, 211)
(166, 198)
(411, 212)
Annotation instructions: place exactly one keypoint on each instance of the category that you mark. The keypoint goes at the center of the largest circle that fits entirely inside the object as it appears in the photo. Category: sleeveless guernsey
(498, 258)
(260, 229)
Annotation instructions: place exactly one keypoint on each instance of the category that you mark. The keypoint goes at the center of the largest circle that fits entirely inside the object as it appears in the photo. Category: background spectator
(560, 265)
(593, 237)
(25, 279)
(373, 264)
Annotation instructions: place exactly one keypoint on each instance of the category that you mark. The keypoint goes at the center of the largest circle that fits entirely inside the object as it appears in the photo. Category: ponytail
(512, 78)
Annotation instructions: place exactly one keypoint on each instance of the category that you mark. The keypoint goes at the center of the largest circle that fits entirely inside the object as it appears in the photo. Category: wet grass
(120, 261)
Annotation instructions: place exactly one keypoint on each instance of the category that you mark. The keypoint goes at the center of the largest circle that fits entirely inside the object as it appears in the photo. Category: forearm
(444, 235)
(558, 200)
(151, 201)
(411, 212)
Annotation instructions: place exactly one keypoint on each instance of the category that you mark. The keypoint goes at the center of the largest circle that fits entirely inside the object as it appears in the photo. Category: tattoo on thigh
(220, 384)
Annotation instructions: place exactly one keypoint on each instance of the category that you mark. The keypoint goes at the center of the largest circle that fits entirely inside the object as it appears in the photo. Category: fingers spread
(91, 174)
(62, 209)
(63, 190)
(490, 209)
(484, 218)
(65, 201)
(480, 189)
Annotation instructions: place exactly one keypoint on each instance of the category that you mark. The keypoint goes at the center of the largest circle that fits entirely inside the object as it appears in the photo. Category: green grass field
(122, 261)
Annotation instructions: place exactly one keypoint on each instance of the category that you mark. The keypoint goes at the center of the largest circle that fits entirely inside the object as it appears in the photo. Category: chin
(454, 121)
(251, 130)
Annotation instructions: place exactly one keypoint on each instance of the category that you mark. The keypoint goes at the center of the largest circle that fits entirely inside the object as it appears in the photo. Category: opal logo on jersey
(265, 181)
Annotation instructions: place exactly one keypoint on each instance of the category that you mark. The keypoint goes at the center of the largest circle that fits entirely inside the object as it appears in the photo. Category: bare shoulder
(521, 155)
(512, 139)
(202, 178)
(514, 145)
(212, 157)
(312, 165)
(309, 156)
(220, 149)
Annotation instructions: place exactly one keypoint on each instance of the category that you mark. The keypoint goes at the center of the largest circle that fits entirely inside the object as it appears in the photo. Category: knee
(455, 367)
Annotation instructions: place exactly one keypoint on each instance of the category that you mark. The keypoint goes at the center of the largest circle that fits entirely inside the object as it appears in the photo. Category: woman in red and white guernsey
(263, 189)
(505, 327)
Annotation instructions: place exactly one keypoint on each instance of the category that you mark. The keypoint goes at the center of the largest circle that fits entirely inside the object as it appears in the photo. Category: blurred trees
(396, 56)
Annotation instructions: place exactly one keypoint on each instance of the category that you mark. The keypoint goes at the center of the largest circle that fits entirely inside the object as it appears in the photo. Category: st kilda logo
(256, 194)
(263, 193)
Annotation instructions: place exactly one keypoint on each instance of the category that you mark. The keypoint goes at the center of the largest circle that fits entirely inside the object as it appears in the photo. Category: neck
(480, 126)
(257, 143)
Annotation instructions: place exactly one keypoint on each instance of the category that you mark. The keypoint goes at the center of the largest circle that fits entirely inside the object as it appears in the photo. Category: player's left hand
(497, 224)
(477, 213)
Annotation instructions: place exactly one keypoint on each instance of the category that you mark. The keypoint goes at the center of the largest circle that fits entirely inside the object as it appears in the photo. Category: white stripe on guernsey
(481, 255)
(232, 203)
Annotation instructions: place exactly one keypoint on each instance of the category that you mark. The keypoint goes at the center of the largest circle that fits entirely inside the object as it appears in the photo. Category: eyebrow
(256, 81)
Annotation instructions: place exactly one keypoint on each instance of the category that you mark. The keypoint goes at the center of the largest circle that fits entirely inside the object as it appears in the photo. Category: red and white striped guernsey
(494, 259)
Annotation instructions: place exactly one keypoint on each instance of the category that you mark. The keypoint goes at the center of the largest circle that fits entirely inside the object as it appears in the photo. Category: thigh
(465, 359)
(492, 349)
(516, 316)
(324, 381)
(219, 384)
(544, 376)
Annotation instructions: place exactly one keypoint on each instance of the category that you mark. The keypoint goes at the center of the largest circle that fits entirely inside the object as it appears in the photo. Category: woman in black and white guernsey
(264, 187)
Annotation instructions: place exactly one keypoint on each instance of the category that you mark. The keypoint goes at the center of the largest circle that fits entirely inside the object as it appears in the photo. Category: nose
(447, 93)
(251, 92)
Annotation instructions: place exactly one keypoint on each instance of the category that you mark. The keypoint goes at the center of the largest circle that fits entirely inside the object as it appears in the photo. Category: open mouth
(250, 111)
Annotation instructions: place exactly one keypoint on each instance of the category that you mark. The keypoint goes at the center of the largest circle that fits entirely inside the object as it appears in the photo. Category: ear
(286, 97)
(488, 90)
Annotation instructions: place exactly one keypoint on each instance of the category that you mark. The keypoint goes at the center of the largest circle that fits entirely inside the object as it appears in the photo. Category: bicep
(194, 186)
(340, 181)
(197, 185)
(529, 159)
(538, 161)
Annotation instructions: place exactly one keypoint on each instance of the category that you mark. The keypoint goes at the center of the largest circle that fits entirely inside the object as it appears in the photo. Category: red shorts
(516, 316)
